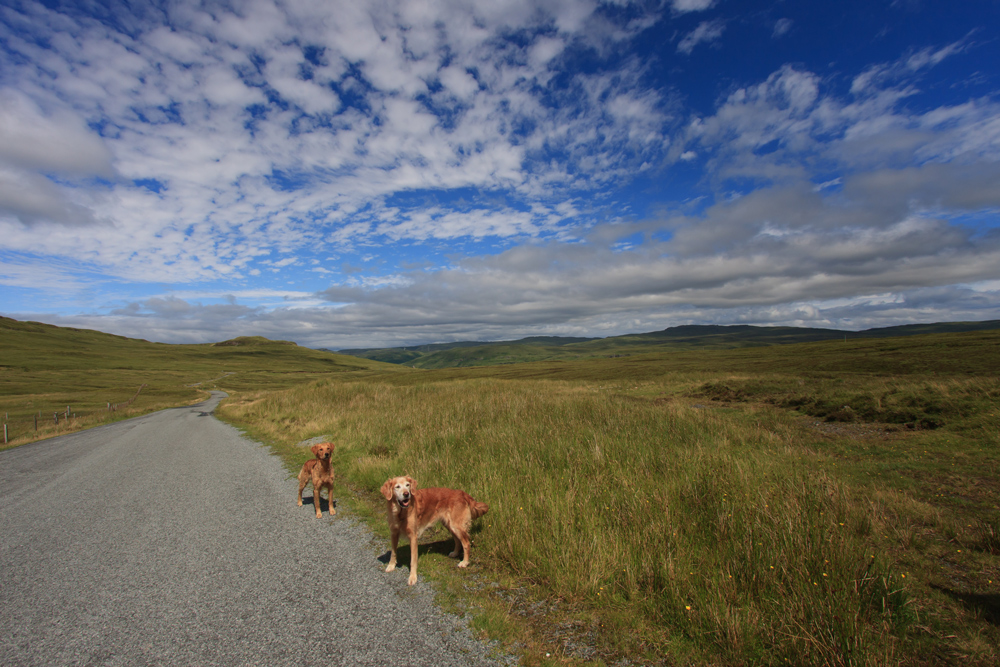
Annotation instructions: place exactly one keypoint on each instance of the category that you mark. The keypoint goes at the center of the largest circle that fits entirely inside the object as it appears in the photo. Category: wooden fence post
(55, 417)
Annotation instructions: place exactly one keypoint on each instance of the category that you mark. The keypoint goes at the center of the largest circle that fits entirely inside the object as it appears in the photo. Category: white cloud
(706, 32)
(684, 6)
(782, 27)
(56, 142)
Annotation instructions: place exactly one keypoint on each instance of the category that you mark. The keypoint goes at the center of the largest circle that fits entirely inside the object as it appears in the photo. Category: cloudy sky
(373, 173)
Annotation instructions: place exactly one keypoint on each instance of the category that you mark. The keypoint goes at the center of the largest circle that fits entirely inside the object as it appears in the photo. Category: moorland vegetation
(825, 503)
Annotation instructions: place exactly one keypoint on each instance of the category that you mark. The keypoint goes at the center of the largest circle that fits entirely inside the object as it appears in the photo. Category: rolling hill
(541, 348)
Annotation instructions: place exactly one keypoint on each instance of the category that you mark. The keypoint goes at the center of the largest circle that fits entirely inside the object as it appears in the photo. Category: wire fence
(38, 420)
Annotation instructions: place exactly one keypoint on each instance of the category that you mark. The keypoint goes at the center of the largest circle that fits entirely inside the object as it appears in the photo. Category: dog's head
(399, 489)
(323, 451)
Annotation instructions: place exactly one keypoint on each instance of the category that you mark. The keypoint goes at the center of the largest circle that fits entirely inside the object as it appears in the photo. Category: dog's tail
(478, 508)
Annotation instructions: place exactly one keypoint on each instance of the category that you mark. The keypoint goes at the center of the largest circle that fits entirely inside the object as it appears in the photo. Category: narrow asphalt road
(170, 539)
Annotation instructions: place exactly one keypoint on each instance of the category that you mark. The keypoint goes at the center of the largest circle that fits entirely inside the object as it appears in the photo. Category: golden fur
(320, 473)
(411, 511)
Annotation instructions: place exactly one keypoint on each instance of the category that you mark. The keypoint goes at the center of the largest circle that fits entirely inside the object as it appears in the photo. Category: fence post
(36, 423)
(55, 417)
(5, 433)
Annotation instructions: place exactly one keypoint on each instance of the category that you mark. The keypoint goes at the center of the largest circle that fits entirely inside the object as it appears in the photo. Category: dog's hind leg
(460, 531)
(303, 480)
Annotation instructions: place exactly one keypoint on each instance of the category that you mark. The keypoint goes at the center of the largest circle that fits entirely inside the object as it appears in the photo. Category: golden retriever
(412, 511)
(320, 473)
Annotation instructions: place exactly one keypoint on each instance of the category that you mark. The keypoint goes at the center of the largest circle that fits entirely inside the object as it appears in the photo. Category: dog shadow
(324, 505)
(442, 547)
(988, 605)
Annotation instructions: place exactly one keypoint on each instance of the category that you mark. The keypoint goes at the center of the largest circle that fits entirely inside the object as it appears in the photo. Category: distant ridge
(689, 336)
(438, 347)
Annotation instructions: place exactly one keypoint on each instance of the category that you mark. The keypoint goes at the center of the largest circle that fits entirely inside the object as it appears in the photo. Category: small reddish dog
(320, 473)
(412, 511)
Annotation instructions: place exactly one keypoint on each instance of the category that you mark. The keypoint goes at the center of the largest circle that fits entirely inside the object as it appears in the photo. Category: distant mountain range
(539, 348)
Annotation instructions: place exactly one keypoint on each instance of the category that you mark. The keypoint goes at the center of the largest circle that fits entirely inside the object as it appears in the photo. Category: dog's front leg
(393, 542)
(413, 557)
(329, 495)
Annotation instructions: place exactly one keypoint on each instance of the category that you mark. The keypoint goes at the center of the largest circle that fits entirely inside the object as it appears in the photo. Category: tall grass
(693, 533)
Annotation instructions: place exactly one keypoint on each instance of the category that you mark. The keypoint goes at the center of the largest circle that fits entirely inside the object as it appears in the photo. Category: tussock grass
(689, 532)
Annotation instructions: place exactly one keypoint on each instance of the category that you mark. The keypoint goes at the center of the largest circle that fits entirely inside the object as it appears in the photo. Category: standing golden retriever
(320, 473)
(412, 511)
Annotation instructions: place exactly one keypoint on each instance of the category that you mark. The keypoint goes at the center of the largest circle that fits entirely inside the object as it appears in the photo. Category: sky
(380, 173)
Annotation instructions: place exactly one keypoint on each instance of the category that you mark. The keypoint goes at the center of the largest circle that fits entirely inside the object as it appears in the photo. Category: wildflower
(688, 607)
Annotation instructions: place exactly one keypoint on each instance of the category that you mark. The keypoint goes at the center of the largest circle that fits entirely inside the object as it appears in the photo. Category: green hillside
(47, 370)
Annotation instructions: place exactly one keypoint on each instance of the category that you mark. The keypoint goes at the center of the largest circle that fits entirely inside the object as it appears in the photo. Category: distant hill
(540, 348)
(36, 346)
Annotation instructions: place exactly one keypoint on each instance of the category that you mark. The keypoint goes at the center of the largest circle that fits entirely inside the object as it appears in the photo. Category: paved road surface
(170, 539)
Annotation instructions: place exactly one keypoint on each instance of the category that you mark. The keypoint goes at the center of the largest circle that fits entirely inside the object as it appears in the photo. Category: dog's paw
(300, 503)
(412, 580)
(453, 554)
(463, 564)
(332, 511)
(390, 567)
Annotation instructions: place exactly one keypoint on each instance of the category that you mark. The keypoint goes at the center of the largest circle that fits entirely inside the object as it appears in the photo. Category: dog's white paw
(390, 567)
(412, 580)
(300, 503)
(463, 564)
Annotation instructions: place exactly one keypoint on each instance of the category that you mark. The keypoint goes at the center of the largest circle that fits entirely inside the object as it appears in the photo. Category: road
(170, 539)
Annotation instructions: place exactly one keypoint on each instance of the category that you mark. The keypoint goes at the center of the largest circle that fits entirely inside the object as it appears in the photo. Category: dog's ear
(413, 483)
(387, 488)
(315, 450)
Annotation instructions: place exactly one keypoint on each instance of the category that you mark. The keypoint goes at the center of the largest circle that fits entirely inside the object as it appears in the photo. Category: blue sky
(375, 174)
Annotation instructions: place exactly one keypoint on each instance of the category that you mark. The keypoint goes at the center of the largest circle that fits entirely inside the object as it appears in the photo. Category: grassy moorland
(830, 503)
(45, 369)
